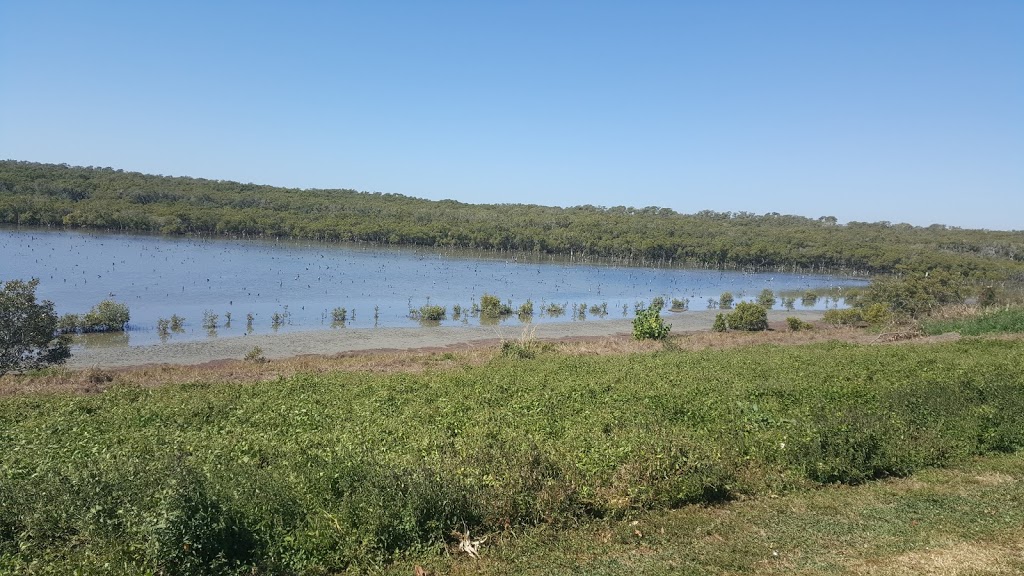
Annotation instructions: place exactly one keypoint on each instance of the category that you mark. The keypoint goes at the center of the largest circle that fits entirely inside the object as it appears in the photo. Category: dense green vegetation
(34, 194)
(961, 520)
(28, 329)
(1000, 321)
(317, 473)
(107, 316)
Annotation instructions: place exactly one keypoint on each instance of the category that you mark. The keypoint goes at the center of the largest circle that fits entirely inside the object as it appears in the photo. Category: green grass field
(317, 474)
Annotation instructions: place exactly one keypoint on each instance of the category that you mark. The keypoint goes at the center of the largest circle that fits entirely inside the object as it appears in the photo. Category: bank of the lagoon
(302, 282)
(329, 342)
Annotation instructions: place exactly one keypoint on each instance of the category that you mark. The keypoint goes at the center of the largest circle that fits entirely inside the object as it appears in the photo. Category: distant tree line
(58, 195)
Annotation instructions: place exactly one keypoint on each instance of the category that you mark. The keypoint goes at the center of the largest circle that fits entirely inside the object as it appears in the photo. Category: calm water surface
(159, 276)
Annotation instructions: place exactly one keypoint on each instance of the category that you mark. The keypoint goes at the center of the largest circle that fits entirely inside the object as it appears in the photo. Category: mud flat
(328, 342)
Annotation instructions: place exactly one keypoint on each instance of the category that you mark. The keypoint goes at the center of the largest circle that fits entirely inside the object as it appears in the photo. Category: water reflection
(288, 286)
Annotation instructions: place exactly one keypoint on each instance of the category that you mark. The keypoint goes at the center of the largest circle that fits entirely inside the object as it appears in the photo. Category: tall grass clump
(336, 472)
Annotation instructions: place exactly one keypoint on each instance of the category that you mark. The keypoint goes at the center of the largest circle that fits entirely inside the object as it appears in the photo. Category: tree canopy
(28, 329)
(58, 195)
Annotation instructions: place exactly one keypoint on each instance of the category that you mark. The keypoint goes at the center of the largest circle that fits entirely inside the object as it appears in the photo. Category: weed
(255, 355)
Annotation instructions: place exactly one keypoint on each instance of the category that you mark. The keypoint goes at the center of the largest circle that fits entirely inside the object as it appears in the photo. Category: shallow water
(158, 276)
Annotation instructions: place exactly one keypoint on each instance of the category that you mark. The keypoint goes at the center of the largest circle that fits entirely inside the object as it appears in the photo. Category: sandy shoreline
(324, 342)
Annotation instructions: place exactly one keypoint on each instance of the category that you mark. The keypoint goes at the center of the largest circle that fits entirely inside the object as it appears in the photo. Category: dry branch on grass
(467, 544)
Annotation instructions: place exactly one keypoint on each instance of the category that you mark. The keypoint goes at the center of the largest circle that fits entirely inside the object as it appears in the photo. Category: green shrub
(796, 324)
(748, 316)
(555, 310)
(429, 313)
(766, 299)
(809, 299)
(877, 314)
(720, 325)
(844, 317)
(339, 315)
(680, 304)
(658, 302)
(725, 300)
(526, 309)
(915, 295)
(649, 324)
(28, 329)
(492, 307)
(107, 316)
(70, 323)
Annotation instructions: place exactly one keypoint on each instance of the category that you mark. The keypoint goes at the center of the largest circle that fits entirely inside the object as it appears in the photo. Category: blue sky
(898, 111)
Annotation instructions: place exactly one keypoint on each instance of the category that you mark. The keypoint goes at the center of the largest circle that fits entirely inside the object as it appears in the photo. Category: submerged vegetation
(107, 316)
(33, 194)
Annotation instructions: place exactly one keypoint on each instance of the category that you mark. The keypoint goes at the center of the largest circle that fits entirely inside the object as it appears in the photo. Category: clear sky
(904, 111)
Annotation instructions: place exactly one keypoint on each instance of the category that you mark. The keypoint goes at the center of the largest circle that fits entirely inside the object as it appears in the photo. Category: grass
(962, 520)
(1000, 321)
(325, 472)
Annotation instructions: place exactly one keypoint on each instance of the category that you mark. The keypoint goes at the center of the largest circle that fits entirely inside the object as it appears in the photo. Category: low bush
(429, 312)
(795, 324)
(747, 316)
(492, 307)
(649, 325)
(725, 300)
(339, 315)
(107, 316)
(526, 309)
(809, 299)
(766, 299)
(844, 317)
(555, 310)
(720, 325)
(680, 304)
